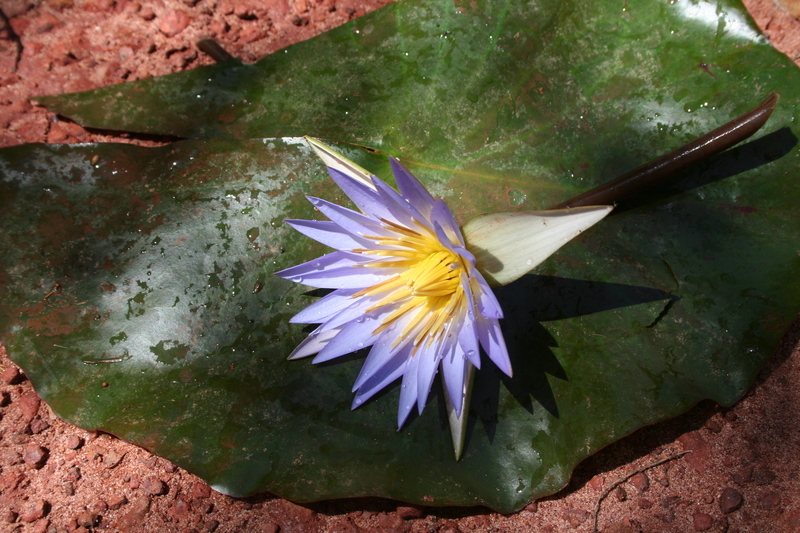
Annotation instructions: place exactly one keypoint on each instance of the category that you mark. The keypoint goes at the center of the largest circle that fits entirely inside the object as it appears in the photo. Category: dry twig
(626, 477)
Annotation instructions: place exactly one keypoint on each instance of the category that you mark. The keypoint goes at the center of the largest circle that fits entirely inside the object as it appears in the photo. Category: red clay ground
(743, 474)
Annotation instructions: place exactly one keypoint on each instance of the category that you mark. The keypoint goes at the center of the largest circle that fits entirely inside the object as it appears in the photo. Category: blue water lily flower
(411, 287)
(406, 286)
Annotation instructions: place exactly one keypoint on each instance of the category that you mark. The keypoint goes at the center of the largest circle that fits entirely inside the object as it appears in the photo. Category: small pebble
(29, 405)
(597, 482)
(87, 519)
(117, 501)
(174, 22)
(41, 526)
(35, 456)
(19, 439)
(218, 27)
(226, 8)
(714, 425)
(576, 517)
(38, 425)
(700, 458)
(74, 442)
(154, 487)
(730, 500)
(702, 521)
(199, 490)
(10, 458)
(180, 509)
(33, 511)
(769, 500)
(742, 476)
(407, 512)
(644, 503)
(45, 23)
(763, 477)
(12, 376)
(73, 474)
(620, 494)
(244, 12)
(112, 459)
(8, 516)
(670, 501)
(270, 527)
(641, 481)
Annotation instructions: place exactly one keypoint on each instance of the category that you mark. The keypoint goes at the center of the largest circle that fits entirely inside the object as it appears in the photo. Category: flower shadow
(527, 303)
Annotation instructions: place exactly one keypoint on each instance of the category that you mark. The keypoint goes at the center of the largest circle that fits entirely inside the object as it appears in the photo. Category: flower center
(435, 275)
(428, 287)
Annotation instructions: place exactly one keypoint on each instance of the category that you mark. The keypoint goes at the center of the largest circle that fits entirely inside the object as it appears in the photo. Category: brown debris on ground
(742, 474)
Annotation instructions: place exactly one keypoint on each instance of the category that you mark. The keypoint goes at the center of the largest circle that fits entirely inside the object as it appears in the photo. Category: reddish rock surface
(56, 477)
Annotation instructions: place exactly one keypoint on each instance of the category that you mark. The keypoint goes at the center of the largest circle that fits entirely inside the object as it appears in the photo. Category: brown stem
(660, 170)
(213, 49)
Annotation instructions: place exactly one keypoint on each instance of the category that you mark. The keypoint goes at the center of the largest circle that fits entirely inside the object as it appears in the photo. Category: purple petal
(408, 391)
(338, 270)
(426, 370)
(381, 353)
(402, 212)
(411, 189)
(353, 336)
(383, 350)
(466, 254)
(348, 277)
(485, 299)
(325, 308)
(331, 260)
(468, 336)
(441, 214)
(366, 198)
(493, 343)
(356, 310)
(388, 373)
(328, 233)
(350, 221)
(454, 371)
(312, 344)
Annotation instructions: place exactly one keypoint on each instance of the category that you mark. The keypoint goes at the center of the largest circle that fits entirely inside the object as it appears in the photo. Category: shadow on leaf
(527, 303)
(742, 158)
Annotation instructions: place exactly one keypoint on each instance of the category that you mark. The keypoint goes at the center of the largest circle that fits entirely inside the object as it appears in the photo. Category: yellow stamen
(404, 230)
(444, 315)
(380, 287)
(429, 285)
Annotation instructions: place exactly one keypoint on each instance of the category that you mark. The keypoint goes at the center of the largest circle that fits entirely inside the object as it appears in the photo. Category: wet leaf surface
(150, 270)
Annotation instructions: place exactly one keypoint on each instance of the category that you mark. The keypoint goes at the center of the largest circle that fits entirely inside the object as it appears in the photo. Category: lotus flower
(409, 285)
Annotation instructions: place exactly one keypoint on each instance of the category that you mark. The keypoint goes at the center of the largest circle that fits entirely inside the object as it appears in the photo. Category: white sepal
(458, 424)
(334, 159)
(509, 245)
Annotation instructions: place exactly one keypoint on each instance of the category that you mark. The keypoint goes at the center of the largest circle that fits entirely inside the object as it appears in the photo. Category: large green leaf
(159, 253)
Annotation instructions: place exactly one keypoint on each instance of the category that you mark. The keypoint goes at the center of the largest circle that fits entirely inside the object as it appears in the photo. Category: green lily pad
(149, 269)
